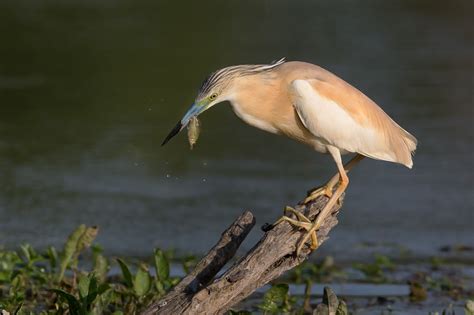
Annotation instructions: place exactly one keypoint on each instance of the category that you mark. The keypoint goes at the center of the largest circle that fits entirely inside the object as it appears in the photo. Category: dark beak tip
(173, 133)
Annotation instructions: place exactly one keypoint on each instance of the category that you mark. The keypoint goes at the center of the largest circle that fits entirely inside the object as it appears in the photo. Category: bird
(309, 104)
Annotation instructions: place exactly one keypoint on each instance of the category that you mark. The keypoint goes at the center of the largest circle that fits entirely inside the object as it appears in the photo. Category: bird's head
(216, 89)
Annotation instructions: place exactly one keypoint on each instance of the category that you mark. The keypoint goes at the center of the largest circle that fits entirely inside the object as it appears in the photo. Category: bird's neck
(263, 101)
(253, 100)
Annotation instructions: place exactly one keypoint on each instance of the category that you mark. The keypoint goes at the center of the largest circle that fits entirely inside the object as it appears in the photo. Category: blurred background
(89, 89)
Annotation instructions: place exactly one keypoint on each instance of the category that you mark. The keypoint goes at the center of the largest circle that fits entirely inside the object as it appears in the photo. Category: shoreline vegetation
(81, 279)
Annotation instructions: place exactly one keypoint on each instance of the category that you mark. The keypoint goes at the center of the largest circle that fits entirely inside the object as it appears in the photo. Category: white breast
(252, 120)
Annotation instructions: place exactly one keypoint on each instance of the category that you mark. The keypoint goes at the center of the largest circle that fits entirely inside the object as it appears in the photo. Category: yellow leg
(305, 223)
(327, 190)
(332, 200)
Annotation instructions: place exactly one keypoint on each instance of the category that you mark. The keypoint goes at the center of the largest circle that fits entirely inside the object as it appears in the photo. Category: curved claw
(304, 223)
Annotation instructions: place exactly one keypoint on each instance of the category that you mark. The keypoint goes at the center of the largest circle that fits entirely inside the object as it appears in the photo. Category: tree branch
(267, 260)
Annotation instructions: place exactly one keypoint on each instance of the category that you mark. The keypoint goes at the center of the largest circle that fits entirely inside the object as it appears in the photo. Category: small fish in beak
(193, 131)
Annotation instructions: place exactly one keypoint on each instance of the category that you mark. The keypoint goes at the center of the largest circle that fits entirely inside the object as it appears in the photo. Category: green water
(88, 90)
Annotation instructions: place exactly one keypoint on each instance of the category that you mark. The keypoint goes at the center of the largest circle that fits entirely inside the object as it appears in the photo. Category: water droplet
(168, 175)
(203, 179)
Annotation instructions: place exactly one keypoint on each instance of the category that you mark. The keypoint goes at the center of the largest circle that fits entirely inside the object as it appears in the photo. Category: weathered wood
(180, 296)
(267, 260)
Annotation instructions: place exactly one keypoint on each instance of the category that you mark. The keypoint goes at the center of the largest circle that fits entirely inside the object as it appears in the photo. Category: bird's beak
(193, 111)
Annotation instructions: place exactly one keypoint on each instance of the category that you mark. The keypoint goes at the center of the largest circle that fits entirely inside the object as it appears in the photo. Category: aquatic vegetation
(58, 283)
(277, 300)
(55, 283)
(324, 271)
(79, 279)
(331, 304)
(375, 272)
(417, 292)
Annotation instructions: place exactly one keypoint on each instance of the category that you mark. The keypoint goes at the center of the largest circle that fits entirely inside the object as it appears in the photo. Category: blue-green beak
(194, 111)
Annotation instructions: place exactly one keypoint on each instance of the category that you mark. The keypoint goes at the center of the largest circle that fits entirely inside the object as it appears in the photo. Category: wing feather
(344, 117)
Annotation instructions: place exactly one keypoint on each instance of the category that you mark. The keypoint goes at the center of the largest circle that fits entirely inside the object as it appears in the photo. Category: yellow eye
(213, 96)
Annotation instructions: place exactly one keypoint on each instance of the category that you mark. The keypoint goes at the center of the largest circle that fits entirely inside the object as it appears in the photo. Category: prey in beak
(191, 114)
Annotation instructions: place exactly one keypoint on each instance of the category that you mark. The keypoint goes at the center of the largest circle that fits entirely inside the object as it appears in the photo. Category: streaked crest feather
(222, 76)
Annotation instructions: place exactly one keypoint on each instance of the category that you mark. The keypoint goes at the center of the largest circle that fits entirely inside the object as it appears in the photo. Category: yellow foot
(304, 223)
(311, 233)
(325, 190)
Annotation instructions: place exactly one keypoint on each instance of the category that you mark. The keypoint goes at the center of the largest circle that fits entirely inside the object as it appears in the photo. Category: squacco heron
(311, 105)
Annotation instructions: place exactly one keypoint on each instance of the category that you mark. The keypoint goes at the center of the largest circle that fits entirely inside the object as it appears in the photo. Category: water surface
(89, 89)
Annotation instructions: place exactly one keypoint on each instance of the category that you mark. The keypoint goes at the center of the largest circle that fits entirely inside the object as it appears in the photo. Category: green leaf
(101, 267)
(102, 288)
(74, 305)
(162, 265)
(384, 261)
(274, 299)
(97, 249)
(160, 287)
(127, 276)
(70, 249)
(86, 239)
(25, 250)
(52, 256)
(83, 286)
(92, 292)
(142, 281)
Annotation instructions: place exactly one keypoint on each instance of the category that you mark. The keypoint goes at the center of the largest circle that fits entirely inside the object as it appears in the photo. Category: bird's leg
(324, 190)
(328, 189)
(328, 207)
(305, 223)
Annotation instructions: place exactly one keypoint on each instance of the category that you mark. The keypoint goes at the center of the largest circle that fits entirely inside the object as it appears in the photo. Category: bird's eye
(213, 96)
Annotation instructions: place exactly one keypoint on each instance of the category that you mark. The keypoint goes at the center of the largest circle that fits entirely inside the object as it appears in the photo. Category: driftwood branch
(201, 293)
